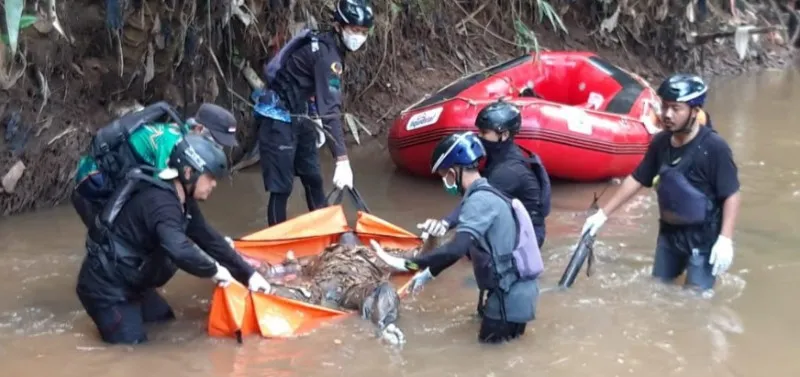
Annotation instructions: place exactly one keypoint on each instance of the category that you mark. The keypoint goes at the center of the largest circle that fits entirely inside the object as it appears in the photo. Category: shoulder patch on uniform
(336, 68)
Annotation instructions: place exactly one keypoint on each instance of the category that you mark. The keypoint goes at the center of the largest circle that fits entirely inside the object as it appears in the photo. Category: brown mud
(65, 89)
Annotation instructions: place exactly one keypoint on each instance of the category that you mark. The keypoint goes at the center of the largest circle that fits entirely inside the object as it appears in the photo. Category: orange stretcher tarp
(237, 312)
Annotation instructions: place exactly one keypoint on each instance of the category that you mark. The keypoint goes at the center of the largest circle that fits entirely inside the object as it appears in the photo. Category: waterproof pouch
(680, 202)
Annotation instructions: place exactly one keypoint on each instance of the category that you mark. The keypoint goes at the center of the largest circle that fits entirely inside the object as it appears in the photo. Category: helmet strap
(189, 184)
(687, 127)
(459, 175)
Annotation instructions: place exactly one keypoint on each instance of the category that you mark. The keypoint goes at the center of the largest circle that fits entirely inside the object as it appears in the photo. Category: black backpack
(110, 149)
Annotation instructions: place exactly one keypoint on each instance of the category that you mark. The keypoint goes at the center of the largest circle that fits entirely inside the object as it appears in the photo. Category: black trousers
(123, 323)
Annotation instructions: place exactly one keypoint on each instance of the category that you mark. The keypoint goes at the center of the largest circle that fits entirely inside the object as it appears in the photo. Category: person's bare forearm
(730, 211)
(628, 187)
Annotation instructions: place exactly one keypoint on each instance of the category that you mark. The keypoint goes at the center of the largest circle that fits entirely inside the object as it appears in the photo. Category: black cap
(220, 122)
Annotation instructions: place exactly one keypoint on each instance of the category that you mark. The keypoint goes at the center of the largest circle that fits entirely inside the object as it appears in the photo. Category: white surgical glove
(343, 175)
(419, 280)
(257, 283)
(320, 133)
(223, 277)
(433, 227)
(594, 223)
(721, 255)
(398, 264)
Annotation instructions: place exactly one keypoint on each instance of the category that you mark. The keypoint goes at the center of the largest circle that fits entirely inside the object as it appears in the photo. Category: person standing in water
(310, 65)
(696, 179)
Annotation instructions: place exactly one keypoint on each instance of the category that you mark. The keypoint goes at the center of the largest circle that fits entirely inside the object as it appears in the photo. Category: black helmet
(202, 155)
(499, 117)
(459, 149)
(354, 13)
(686, 88)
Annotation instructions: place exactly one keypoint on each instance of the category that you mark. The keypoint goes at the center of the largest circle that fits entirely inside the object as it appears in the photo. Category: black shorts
(123, 323)
(497, 331)
(287, 150)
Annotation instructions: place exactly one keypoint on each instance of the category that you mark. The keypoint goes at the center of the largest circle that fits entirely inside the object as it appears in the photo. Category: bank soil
(59, 88)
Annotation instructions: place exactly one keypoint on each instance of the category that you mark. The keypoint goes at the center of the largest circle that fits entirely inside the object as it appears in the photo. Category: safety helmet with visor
(456, 152)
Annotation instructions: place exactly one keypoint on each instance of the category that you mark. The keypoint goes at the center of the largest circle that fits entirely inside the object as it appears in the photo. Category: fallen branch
(704, 38)
(225, 81)
(69, 130)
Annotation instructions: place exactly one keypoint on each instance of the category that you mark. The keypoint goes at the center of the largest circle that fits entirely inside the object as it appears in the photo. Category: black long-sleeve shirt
(153, 222)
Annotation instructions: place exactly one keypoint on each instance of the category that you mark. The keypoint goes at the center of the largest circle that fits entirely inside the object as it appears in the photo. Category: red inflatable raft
(587, 119)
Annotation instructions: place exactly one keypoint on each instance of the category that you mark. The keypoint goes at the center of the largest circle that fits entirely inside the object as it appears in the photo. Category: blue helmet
(686, 88)
(459, 149)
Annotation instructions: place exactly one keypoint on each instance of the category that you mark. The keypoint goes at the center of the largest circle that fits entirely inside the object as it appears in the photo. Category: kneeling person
(498, 235)
(147, 231)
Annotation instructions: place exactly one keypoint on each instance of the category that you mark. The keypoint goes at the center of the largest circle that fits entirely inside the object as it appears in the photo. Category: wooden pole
(704, 38)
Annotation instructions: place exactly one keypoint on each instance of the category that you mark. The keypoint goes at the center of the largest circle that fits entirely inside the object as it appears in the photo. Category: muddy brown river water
(616, 323)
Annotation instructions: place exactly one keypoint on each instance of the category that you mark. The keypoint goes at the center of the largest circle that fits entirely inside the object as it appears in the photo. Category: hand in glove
(433, 227)
(257, 283)
(393, 335)
(343, 175)
(320, 132)
(721, 255)
(594, 223)
(398, 264)
(223, 277)
(419, 280)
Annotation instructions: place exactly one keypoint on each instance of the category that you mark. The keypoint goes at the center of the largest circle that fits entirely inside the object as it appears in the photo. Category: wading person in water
(495, 231)
(150, 228)
(507, 169)
(692, 170)
(310, 65)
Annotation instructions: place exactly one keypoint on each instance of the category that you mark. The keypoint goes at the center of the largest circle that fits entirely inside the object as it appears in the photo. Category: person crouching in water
(498, 235)
(146, 232)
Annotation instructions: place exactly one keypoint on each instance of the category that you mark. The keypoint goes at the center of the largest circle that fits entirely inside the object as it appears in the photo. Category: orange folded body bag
(237, 312)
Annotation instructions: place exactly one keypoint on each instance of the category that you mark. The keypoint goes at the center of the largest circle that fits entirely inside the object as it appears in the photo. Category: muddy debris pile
(341, 277)
(76, 61)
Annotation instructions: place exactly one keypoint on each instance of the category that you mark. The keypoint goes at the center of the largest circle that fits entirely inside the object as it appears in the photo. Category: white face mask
(353, 40)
